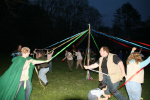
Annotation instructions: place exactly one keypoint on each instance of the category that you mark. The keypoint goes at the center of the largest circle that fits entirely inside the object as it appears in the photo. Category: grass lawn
(66, 85)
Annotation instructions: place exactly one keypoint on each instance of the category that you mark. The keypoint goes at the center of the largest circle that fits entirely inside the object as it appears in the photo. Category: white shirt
(97, 92)
(49, 56)
(79, 56)
(69, 56)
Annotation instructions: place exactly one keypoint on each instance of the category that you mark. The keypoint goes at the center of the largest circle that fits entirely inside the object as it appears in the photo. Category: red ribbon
(128, 80)
(77, 43)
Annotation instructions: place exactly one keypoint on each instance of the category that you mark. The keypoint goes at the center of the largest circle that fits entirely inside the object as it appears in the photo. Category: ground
(66, 85)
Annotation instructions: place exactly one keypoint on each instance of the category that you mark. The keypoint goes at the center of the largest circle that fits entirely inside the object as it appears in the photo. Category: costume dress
(9, 81)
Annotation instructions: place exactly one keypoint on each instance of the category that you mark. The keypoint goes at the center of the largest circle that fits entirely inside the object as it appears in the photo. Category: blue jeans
(134, 90)
(27, 90)
(42, 74)
(50, 66)
(112, 87)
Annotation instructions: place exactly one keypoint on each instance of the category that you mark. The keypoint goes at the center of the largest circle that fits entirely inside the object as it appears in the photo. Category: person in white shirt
(96, 94)
(49, 56)
(69, 57)
(79, 59)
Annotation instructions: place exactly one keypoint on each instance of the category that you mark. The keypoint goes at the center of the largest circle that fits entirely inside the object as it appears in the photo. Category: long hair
(136, 56)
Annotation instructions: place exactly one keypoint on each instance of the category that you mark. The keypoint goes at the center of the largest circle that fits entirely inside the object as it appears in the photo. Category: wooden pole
(88, 60)
(88, 56)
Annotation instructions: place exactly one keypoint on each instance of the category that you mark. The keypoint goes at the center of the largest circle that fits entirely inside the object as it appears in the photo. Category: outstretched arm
(64, 59)
(145, 62)
(95, 65)
(38, 61)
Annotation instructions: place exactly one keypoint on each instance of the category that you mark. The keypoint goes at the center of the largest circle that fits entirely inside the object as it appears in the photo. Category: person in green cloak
(15, 83)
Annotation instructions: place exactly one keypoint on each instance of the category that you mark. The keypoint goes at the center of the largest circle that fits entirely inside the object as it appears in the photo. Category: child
(134, 64)
(96, 94)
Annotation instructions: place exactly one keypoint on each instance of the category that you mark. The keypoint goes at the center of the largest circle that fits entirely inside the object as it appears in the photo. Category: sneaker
(46, 84)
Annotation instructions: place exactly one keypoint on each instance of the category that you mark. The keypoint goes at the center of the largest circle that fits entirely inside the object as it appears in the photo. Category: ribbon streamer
(128, 80)
(122, 40)
(63, 40)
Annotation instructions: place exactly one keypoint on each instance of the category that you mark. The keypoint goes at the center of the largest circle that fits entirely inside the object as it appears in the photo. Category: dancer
(96, 94)
(69, 57)
(134, 64)
(43, 68)
(110, 64)
(17, 52)
(49, 55)
(15, 83)
(92, 57)
(79, 59)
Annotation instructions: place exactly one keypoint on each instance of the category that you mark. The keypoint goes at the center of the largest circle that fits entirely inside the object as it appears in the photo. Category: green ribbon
(94, 41)
(83, 39)
(68, 45)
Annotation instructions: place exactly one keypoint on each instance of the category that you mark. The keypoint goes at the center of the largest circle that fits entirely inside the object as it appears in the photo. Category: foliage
(127, 20)
(41, 22)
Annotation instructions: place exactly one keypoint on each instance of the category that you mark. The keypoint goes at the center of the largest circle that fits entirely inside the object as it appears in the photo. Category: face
(19, 47)
(28, 53)
(105, 88)
(101, 52)
(66, 51)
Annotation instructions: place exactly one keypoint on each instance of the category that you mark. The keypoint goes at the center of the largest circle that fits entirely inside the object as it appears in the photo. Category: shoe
(46, 84)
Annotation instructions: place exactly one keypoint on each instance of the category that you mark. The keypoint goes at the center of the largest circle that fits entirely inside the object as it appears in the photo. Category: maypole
(88, 55)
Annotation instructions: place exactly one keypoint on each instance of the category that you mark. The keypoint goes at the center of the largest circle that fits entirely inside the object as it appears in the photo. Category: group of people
(45, 67)
(112, 65)
(16, 81)
(80, 57)
(69, 57)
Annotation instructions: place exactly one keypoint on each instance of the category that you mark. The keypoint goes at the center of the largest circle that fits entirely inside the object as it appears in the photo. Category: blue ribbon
(63, 40)
(122, 40)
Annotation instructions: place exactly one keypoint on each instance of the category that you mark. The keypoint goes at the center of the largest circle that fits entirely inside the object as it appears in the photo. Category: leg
(113, 87)
(105, 80)
(42, 74)
(20, 84)
(69, 65)
(27, 90)
(80, 61)
(134, 90)
(50, 66)
(77, 64)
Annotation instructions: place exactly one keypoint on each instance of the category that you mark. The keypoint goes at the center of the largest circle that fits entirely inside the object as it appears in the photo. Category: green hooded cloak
(9, 81)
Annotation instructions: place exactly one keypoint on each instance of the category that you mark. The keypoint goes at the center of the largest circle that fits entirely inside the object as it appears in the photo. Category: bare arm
(106, 96)
(38, 61)
(95, 65)
(64, 58)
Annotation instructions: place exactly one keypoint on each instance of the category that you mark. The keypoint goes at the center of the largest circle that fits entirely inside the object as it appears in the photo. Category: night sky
(108, 7)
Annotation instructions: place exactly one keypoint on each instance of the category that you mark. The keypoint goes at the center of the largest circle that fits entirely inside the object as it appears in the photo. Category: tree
(127, 20)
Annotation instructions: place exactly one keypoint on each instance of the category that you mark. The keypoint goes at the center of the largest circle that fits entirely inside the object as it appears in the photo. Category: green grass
(66, 85)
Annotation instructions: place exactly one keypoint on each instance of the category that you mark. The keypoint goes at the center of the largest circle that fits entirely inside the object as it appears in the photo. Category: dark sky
(108, 7)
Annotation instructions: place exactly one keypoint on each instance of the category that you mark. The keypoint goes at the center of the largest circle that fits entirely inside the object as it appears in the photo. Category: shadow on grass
(73, 98)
